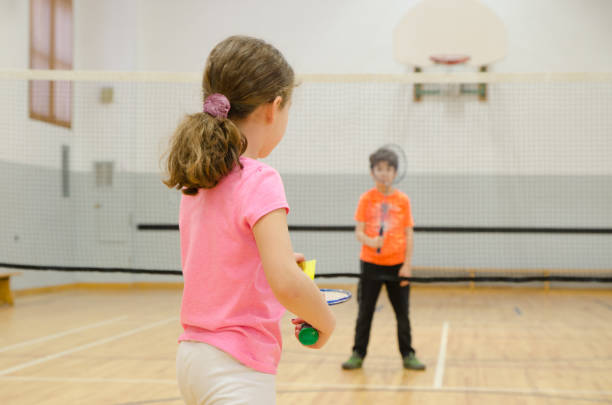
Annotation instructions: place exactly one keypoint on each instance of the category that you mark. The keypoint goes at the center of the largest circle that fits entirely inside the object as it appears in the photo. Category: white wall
(105, 39)
(556, 35)
(348, 36)
(14, 32)
(354, 36)
(341, 36)
(14, 54)
(105, 36)
(319, 36)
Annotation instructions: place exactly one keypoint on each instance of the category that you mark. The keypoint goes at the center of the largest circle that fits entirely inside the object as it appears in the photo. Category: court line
(85, 346)
(441, 357)
(605, 304)
(295, 385)
(292, 388)
(571, 394)
(90, 380)
(288, 388)
(153, 401)
(60, 334)
(485, 390)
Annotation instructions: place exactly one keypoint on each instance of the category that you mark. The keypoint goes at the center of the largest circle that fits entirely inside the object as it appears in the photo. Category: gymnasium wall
(156, 35)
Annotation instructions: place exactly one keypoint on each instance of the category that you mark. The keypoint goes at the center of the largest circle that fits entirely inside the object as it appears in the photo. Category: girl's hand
(323, 337)
(299, 257)
(405, 271)
(298, 322)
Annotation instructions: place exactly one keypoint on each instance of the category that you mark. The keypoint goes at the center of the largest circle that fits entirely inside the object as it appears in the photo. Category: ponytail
(241, 74)
(203, 150)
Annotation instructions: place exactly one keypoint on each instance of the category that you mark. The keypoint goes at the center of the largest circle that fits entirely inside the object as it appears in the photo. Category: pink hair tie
(217, 105)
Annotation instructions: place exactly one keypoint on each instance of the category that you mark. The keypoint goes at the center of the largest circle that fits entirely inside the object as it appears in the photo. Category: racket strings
(335, 296)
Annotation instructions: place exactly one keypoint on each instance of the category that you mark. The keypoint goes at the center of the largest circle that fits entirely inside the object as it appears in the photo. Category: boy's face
(384, 173)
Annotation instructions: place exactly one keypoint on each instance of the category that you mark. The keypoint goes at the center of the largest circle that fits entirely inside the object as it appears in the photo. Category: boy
(384, 227)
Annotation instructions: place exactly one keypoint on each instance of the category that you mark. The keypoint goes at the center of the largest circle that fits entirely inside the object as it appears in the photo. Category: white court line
(86, 346)
(441, 357)
(301, 387)
(90, 380)
(60, 334)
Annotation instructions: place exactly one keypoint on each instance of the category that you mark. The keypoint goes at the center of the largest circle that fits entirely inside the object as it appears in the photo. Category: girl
(239, 268)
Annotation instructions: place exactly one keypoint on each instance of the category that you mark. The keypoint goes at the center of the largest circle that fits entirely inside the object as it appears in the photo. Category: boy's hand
(405, 271)
(376, 242)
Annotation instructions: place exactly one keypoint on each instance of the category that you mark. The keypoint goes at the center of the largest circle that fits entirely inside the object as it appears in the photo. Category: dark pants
(372, 279)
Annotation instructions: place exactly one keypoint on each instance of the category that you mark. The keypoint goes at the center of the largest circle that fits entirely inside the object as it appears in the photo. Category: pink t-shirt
(227, 301)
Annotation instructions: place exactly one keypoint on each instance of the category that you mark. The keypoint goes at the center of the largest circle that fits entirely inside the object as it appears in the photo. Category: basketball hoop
(450, 63)
(449, 36)
(445, 59)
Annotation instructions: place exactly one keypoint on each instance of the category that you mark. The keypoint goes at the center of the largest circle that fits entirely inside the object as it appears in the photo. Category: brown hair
(384, 155)
(204, 149)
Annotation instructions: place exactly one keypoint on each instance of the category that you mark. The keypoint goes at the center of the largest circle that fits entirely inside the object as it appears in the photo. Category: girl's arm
(291, 287)
(374, 243)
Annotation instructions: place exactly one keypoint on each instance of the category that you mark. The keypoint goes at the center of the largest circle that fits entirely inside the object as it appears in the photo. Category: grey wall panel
(98, 227)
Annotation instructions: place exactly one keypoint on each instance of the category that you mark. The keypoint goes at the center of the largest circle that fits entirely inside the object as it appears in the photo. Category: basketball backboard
(449, 27)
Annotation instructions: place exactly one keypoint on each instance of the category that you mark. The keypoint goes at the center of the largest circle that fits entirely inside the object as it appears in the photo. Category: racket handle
(380, 233)
(308, 335)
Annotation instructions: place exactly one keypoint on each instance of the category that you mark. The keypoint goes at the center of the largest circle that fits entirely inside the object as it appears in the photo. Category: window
(51, 48)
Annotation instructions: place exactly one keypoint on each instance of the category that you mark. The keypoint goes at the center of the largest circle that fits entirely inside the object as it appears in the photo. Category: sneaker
(412, 363)
(354, 362)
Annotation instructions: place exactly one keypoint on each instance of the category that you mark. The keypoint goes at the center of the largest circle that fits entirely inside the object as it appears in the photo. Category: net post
(482, 87)
(417, 87)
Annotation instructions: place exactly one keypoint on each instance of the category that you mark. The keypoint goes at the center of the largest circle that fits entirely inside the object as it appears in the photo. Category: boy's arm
(406, 269)
(365, 239)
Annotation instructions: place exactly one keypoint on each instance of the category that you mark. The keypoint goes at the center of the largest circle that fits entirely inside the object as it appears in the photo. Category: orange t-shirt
(393, 213)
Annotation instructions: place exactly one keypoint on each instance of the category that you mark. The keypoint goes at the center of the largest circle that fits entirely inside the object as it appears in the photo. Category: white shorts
(207, 375)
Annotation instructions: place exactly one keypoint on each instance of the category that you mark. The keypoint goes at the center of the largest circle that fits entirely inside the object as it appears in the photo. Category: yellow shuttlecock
(308, 267)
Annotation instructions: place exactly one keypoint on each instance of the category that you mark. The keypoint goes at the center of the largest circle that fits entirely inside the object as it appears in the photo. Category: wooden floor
(482, 346)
